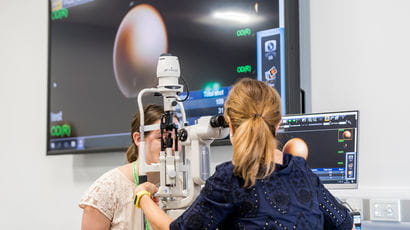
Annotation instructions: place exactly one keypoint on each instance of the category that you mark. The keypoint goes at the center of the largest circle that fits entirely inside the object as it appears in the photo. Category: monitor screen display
(103, 52)
(332, 142)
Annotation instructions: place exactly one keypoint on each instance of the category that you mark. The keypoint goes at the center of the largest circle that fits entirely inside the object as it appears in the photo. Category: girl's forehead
(157, 131)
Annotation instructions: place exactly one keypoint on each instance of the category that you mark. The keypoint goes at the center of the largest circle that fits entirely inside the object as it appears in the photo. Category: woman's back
(252, 192)
(290, 198)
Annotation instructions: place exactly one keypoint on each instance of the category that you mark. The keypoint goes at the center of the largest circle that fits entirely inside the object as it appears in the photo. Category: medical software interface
(332, 142)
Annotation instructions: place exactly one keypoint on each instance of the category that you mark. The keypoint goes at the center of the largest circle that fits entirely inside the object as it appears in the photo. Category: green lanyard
(137, 182)
(134, 171)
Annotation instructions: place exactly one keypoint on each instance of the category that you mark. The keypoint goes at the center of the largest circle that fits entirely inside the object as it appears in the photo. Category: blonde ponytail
(253, 109)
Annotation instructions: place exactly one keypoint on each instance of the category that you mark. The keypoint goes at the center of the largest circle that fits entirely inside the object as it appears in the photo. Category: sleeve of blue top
(212, 206)
(336, 215)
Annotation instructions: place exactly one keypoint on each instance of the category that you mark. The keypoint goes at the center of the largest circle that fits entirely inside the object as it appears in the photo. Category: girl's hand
(147, 186)
(150, 187)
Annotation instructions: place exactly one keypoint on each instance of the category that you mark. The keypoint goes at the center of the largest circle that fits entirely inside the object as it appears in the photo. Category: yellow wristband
(138, 197)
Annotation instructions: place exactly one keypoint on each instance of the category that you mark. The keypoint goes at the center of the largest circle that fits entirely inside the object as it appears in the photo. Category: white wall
(358, 60)
(359, 53)
(37, 192)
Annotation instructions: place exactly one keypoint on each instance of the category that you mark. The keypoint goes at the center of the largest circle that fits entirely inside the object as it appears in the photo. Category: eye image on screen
(140, 39)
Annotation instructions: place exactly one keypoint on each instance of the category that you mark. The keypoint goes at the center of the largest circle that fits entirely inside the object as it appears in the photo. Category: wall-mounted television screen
(103, 52)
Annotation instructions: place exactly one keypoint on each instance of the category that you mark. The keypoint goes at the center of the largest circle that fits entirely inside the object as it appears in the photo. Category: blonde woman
(260, 188)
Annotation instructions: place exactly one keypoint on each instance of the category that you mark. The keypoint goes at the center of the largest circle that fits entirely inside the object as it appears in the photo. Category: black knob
(183, 135)
(142, 179)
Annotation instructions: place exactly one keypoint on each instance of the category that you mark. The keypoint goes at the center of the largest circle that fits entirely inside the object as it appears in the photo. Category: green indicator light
(341, 140)
(341, 151)
(340, 163)
(244, 69)
(59, 14)
(60, 130)
(341, 129)
(212, 89)
(243, 32)
(212, 86)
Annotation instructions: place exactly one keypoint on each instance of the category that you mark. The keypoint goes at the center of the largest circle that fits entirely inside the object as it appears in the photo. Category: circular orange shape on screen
(140, 40)
(347, 134)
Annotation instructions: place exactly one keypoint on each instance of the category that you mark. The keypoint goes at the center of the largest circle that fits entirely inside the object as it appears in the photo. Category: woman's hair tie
(255, 115)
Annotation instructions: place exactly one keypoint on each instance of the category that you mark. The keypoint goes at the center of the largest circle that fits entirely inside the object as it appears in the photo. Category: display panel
(103, 52)
(332, 142)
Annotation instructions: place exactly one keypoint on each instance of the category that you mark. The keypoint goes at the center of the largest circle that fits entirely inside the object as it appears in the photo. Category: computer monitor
(332, 142)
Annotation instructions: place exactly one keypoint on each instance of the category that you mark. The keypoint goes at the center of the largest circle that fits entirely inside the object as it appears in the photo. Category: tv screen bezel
(292, 77)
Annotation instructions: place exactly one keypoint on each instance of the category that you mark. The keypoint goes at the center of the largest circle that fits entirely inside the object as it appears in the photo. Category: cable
(345, 204)
(348, 206)
(187, 91)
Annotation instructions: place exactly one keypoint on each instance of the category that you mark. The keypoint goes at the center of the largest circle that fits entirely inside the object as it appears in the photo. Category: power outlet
(385, 210)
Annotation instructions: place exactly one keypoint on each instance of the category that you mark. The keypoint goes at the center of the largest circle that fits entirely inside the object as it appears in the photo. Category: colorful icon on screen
(271, 74)
(270, 49)
(270, 46)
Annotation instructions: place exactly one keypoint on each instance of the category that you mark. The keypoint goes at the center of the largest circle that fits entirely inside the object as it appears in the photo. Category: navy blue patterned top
(291, 198)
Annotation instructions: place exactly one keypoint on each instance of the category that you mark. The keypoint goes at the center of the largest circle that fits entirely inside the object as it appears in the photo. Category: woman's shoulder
(290, 160)
(106, 181)
(225, 169)
(109, 181)
(223, 173)
(225, 166)
(109, 185)
(292, 164)
(110, 175)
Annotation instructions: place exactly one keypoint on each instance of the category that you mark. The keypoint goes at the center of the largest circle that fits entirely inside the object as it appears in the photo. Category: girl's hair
(152, 113)
(253, 109)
